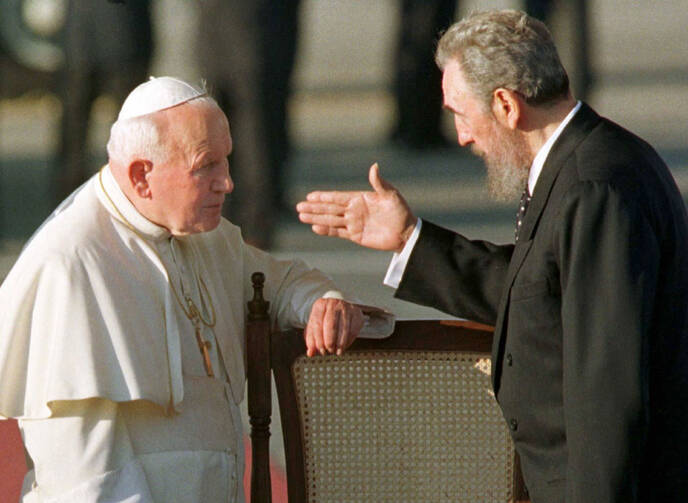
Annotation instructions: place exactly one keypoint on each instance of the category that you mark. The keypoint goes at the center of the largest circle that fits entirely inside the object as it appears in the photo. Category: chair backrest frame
(286, 347)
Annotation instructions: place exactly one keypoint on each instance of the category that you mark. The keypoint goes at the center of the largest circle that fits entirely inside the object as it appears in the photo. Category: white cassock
(100, 363)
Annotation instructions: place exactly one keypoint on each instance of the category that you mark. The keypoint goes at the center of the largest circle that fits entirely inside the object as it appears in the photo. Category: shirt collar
(541, 157)
(121, 208)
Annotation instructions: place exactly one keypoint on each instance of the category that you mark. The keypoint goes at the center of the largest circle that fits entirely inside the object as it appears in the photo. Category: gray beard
(505, 182)
(508, 164)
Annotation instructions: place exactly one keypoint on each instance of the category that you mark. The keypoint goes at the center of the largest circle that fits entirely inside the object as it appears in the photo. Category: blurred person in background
(107, 48)
(247, 50)
(417, 89)
(581, 74)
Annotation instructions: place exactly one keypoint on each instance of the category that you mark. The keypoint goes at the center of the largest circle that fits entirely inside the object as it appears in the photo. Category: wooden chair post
(259, 390)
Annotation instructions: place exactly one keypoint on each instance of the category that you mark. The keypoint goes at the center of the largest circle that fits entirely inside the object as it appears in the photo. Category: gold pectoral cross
(203, 345)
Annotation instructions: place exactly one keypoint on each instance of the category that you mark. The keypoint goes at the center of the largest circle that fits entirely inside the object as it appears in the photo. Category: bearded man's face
(508, 161)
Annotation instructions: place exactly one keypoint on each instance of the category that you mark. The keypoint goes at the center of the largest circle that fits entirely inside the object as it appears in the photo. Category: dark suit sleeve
(608, 257)
(461, 277)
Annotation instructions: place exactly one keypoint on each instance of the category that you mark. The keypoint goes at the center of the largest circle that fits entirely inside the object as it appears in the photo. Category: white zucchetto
(158, 93)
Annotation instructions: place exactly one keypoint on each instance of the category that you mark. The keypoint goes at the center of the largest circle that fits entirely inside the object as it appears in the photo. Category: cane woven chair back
(409, 418)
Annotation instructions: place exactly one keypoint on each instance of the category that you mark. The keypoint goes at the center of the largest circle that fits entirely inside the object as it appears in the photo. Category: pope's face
(187, 190)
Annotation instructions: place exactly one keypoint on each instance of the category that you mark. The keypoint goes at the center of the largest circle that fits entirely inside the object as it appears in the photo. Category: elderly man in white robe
(122, 326)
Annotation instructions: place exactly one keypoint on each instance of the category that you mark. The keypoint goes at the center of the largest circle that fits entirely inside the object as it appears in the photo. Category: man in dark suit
(590, 305)
(416, 85)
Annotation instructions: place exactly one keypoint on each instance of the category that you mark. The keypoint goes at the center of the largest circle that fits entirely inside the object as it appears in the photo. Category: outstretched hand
(378, 219)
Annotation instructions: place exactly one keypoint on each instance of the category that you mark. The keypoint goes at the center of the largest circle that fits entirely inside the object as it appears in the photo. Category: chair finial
(258, 307)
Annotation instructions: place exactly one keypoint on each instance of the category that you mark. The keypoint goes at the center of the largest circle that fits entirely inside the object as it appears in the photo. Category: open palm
(378, 219)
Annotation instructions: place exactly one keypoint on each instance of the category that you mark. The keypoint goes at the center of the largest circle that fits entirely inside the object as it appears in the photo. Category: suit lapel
(563, 148)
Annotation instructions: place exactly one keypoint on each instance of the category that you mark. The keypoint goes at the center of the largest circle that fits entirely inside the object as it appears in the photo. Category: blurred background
(315, 91)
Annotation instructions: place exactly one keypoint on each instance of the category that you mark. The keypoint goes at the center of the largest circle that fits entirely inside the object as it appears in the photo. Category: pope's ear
(138, 177)
(507, 107)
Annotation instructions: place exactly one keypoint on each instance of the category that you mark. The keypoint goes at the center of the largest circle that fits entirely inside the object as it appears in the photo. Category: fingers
(313, 331)
(332, 327)
(339, 197)
(326, 219)
(311, 349)
(320, 208)
(342, 332)
(322, 230)
(318, 219)
(335, 232)
(349, 328)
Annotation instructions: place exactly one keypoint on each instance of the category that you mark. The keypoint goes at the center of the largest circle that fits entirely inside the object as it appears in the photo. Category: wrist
(411, 223)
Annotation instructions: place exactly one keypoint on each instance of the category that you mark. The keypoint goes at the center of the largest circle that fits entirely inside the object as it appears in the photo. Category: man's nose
(463, 137)
(228, 184)
(224, 184)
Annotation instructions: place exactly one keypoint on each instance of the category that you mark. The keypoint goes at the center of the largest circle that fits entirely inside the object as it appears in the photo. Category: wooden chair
(409, 418)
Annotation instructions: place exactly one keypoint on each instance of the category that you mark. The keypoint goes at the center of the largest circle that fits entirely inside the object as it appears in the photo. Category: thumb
(379, 184)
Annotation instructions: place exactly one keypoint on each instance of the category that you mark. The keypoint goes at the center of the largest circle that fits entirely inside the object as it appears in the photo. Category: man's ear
(507, 107)
(138, 177)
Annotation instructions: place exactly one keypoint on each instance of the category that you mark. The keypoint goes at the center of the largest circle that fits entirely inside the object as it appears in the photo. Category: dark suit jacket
(590, 356)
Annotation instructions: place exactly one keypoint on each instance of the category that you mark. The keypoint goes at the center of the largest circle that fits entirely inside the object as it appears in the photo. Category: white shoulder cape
(87, 309)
